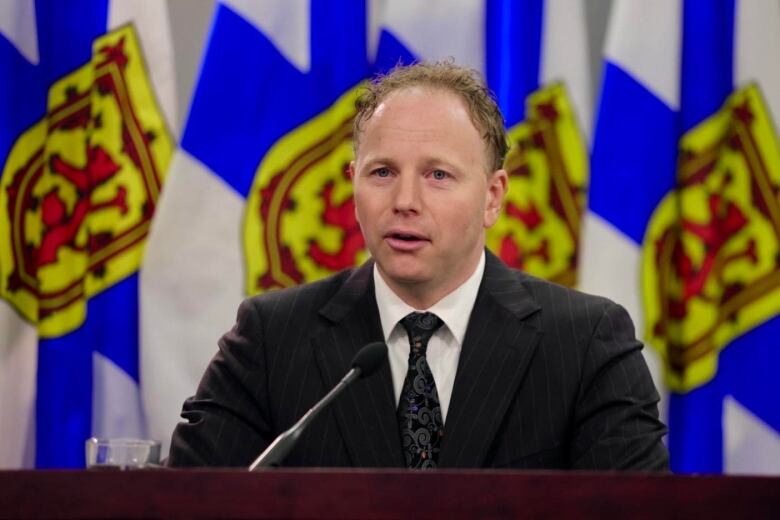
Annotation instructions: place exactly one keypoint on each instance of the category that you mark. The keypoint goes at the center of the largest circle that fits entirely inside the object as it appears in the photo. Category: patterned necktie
(419, 412)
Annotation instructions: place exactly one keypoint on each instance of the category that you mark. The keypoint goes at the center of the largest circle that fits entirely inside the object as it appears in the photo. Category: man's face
(423, 198)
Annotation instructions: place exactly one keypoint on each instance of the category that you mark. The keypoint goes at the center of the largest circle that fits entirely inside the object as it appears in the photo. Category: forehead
(431, 100)
(422, 115)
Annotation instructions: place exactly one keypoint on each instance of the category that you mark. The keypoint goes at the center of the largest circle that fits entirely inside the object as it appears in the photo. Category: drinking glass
(122, 453)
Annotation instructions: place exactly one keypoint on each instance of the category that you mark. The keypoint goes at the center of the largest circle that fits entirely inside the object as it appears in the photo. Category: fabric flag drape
(273, 95)
(258, 196)
(84, 148)
(683, 220)
(536, 64)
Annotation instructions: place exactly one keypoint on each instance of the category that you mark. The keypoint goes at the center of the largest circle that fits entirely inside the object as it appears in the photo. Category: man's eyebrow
(428, 162)
(434, 161)
(373, 161)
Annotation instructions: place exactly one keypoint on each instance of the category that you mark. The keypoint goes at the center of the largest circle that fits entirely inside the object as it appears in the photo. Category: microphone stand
(275, 453)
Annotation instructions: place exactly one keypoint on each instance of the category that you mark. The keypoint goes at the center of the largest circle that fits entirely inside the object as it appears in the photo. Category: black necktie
(419, 412)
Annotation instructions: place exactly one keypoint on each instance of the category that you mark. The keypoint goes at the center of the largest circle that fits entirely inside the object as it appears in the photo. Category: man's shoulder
(555, 299)
(543, 290)
(575, 316)
(311, 293)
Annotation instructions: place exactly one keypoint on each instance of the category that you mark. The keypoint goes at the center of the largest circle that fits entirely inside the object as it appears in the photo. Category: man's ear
(496, 189)
(351, 170)
(352, 176)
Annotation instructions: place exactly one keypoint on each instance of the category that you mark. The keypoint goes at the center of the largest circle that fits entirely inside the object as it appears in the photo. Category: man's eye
(382, 172)
(439, 175)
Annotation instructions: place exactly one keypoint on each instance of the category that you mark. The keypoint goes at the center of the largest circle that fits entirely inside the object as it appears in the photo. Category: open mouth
(405, 241)
(404, 236)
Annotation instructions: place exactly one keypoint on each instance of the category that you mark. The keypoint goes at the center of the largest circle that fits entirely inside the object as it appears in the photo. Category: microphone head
(370, 358)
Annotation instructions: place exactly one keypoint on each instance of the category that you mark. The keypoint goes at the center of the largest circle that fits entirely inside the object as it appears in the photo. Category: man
(489, 367)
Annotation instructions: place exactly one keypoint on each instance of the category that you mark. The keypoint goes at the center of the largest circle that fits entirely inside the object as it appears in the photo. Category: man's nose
(407, 194)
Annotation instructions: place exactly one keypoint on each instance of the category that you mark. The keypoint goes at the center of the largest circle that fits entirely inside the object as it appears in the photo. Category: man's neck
(422, 296)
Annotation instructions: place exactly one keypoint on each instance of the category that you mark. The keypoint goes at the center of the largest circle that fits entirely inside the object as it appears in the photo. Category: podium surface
(320, 493)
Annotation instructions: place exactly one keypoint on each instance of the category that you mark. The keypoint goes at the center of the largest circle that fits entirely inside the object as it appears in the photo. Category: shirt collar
(454, 309)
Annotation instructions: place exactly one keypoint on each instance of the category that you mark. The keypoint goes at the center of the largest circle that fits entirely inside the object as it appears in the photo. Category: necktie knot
(420, 326)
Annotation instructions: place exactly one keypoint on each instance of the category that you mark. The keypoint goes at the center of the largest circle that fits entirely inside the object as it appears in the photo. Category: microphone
(366, 362)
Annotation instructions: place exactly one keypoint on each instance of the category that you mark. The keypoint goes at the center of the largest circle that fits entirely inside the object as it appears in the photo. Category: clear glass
(122, 453)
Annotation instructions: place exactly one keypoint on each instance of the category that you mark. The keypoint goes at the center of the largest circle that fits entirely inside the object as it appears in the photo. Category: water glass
(122, 453)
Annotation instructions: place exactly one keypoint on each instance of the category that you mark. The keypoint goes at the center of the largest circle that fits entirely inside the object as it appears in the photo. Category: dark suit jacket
(548, 377)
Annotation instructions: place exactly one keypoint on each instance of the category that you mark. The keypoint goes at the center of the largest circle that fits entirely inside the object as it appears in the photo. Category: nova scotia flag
(269, 69)
(86, 99)
(682, 224)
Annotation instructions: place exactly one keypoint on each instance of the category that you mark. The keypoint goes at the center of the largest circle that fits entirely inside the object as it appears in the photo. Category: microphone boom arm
(276, 452)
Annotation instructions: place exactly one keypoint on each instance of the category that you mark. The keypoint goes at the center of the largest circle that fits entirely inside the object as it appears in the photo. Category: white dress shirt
(443, 348)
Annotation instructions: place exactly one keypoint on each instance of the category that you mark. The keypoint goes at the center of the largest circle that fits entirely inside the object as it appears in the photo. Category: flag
(536, 63)
(683, 217)
(263, 151)
(86, 99)
(258, 196)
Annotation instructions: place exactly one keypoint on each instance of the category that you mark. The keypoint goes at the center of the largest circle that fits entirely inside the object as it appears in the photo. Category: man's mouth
(404, 236)
(403, 240)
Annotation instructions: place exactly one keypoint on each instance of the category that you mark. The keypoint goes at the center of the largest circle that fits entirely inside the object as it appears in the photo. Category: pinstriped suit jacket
(548, 378)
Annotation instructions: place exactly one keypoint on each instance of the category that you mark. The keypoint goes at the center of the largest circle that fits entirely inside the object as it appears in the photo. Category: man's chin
(405, 277)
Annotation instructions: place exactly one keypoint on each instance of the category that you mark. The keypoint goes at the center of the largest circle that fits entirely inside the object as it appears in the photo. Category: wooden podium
(381, 494)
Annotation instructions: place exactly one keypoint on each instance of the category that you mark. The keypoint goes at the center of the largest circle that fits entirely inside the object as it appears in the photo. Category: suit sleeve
(227, 421)
(616, 418)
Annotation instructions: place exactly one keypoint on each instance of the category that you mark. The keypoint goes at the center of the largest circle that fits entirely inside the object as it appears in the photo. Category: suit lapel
(366, 412)
(500, 341)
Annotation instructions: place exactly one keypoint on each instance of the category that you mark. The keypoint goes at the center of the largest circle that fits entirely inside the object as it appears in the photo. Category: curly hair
(466, 83)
